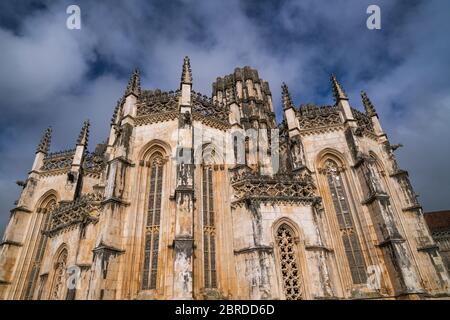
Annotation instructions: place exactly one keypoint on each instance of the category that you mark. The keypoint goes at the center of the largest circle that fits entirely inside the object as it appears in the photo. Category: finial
(44, 144)
(84, 134)
(368, 106)
(287, 101)
(338, 92)
(134, 85)
(186, 75)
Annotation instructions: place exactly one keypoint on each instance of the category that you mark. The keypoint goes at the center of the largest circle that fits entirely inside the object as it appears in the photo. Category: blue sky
(54, 76)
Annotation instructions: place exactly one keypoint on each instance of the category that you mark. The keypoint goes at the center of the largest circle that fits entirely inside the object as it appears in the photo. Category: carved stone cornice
(210, 122)
(321, 130)
(155, 118)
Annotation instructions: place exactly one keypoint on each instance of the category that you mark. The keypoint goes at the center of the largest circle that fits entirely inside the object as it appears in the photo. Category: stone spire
(338, 92)
(44, 144)
(287, 101)
(186, 75)
(116, 113)
(134, 85)
(84, 134)
(368, 106)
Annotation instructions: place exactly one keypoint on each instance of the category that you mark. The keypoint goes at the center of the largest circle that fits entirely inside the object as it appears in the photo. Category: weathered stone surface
(168, 207)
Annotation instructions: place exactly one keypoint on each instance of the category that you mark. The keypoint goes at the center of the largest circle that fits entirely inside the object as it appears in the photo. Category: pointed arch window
(347, 228)
(289, 266)
(59, 276)
(152, 229)
(209, 229)
(40, 249)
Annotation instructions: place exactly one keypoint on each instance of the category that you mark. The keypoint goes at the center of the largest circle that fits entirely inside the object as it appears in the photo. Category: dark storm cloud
(53, 76)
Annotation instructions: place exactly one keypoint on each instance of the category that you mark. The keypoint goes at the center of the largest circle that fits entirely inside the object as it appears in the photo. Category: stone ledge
(115, 200)
(373, 197)
(412, 208)
(20, 209)
(105, 247)
(318, 248)
(399, 172)
(390, 241)
(430, 247)
(123, 160)
(253, 249)
(11, 243)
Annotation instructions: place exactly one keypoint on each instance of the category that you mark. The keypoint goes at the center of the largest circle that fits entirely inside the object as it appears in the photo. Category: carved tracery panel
(289, 265)
(59, 277)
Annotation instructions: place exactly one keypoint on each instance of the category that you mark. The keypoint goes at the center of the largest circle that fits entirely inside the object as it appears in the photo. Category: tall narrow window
(209, 230)
(39, 252)
(346, 226)
(59, 277)
(290, 270)
(152, 228)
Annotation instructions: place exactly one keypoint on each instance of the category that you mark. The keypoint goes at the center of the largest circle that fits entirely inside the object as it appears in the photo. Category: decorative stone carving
(364, 122)
(81, 211)
(58, 160)
(290, 269)
(206, 108)
(315, 117)
(157, 102)
(185, 119)
(297, 153)
(273, 189)
(94, 163)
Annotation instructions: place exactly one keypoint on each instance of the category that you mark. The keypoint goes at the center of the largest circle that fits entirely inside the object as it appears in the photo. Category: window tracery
(209, 230)
(152, 229)
(290, 269)
(347, 229)
(39, 253)
(59, 276)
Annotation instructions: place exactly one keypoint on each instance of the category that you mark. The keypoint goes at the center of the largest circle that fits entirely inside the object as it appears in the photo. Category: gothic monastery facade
(193, 197)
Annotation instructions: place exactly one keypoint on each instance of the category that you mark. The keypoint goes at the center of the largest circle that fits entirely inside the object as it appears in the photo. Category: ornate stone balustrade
(58, 160)
(83, 211)
(280, 188)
